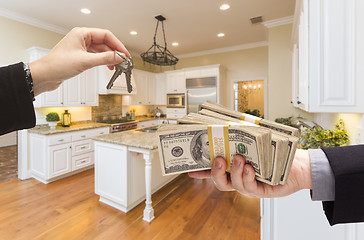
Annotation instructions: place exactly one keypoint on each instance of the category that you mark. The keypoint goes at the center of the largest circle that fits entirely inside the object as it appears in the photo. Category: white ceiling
(193, 23)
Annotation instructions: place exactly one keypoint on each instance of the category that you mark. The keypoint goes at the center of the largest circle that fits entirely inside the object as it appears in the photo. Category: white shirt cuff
(323, 180)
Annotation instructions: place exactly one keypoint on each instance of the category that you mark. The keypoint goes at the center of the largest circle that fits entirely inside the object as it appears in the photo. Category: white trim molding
(32, 21)
(278, 22)
(226, 49)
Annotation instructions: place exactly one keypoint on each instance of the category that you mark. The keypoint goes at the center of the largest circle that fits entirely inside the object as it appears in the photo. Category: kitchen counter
(45, 129)
(128, 170)
(132, 138)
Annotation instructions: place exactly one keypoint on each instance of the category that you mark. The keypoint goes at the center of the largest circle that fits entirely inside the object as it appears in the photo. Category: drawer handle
(101, 132)
(83, 136)
(83, 147)
(60, 140)
(83, 161)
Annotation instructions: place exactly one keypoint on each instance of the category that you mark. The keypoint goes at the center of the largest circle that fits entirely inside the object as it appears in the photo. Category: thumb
(103, 58)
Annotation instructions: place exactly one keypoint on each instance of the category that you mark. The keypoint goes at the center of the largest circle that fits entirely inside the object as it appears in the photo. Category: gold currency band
(219, 143)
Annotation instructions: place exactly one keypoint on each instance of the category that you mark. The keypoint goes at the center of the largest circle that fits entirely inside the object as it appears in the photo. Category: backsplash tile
(108, 105)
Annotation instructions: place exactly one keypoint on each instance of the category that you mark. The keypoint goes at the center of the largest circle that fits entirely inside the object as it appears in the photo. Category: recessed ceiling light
(133, 33)
(175, 44)
(224, 7)
(221, 34)
(85, 11)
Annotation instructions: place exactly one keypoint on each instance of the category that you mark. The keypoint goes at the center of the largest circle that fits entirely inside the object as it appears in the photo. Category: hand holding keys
(125, 67)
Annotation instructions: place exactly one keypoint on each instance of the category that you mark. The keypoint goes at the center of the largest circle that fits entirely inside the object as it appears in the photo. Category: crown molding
(32, 21)
(226, 49)
(278, 22)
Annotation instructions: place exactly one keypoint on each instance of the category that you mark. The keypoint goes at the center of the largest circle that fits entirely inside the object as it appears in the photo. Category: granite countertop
(45, 130)
(132, 138)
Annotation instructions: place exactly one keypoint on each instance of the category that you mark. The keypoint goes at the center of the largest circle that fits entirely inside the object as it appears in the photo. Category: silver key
(125, 67)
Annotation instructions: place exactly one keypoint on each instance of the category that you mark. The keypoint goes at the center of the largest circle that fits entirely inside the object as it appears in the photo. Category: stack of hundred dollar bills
(196, 141)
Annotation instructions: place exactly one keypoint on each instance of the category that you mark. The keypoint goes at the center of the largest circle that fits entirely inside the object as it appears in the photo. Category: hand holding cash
(251, 155)
(242, 177)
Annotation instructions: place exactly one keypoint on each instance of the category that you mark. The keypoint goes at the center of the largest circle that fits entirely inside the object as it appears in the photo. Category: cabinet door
(60, 160)
(176, 82)
(89, 90)
(160, 89)
(72, 91)
(209, 72)
(51, 99)
(151, 89)
(141, 80)
(193, 74)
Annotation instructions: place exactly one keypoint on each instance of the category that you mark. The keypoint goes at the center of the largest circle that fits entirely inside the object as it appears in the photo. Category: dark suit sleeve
(347, 164)
(16, 104)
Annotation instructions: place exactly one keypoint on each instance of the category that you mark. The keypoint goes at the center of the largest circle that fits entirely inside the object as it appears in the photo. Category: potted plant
(317, 137)
(52, 119)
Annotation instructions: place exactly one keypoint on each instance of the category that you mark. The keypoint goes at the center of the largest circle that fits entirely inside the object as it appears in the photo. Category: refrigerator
(198, 90)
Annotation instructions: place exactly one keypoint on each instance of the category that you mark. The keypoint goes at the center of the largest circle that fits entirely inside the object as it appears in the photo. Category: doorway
(249, 97)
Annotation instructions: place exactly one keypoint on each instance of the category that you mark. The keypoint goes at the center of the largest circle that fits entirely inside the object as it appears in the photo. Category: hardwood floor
(69, 209)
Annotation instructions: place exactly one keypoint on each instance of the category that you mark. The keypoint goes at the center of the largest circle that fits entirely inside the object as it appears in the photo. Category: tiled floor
(8, 163)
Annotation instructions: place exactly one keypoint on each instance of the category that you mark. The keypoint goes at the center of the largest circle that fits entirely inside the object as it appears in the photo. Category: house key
(125, 67)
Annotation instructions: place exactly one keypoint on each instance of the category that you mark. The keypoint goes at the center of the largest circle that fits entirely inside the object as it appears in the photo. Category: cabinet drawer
(81, 135)
(81, 147)
(175, 116)
(100, 131)
(59, 139)
(176, 111)
(82, 161)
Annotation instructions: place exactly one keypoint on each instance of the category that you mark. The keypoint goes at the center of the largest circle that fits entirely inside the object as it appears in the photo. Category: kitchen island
(127, 170)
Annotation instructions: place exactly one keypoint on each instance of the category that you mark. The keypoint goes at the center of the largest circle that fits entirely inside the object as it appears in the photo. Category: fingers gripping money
(199, 139)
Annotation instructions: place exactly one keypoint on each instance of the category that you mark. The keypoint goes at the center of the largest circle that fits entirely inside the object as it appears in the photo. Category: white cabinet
(328, 56)
(60, 160)
(201, 73)
(176, 113)
(176, 82)
(89, 88)
(121, 174)
(160, 89)
(56, 156)
(80, 90)
(104, 75)
(146, 84)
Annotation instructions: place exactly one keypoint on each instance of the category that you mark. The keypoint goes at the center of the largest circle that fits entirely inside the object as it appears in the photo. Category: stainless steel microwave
(176, 100)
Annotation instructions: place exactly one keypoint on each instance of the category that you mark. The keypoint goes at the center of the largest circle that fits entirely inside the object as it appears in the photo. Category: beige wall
(16, 37)
(248, 64)
(280, 74)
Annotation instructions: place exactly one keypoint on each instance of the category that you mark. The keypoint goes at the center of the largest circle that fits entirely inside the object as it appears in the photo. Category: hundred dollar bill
(194, 148)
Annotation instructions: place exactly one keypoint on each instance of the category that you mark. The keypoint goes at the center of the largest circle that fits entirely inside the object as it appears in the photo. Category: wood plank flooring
(68, 209)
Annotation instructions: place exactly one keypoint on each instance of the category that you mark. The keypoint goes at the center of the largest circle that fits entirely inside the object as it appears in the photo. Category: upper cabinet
(80, 90)
(160, 89)
(147, 89)
(176, 81)
(328, 56)
(119, 86)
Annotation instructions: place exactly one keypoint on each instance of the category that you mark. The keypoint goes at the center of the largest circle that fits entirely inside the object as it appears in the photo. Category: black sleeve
(16, 104)
(347, 164)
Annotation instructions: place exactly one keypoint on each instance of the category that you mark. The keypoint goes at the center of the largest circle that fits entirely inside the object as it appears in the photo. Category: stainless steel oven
(176, 100)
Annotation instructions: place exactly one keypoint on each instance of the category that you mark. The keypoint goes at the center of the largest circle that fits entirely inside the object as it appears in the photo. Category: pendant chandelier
(157, 54)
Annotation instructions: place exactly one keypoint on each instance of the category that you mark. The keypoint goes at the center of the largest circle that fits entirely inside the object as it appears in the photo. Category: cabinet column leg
(148, 211)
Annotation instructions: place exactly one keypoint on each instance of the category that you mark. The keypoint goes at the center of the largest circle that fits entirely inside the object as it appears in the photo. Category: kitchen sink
(148, 130)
